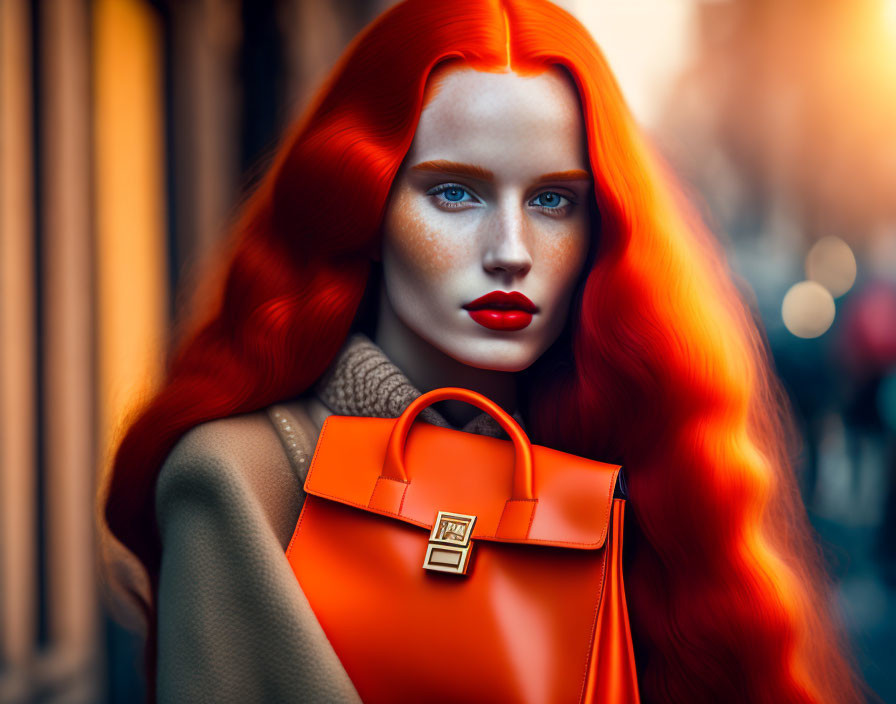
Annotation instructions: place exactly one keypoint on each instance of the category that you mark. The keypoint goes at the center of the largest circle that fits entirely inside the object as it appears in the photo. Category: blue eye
(452, 194)
(550, 200)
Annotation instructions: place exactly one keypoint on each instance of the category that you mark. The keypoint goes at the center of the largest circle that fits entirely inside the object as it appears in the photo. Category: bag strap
(393, 467)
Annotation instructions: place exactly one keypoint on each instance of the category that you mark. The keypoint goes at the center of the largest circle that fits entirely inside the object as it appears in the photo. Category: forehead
(503, 117)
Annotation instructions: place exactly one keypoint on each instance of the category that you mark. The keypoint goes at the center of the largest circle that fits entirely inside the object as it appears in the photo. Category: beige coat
(234, 625)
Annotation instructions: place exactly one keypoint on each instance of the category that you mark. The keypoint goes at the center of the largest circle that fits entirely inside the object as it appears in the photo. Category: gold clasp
(449, 543)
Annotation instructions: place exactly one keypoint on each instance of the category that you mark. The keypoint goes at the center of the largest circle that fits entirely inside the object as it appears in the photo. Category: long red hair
(663, 369)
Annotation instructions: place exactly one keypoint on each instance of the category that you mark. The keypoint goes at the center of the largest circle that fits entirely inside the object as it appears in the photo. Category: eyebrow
(456, 169)
(571, 175)
(480, 174)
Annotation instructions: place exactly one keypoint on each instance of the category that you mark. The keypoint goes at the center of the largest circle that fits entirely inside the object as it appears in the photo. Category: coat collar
(363, 381)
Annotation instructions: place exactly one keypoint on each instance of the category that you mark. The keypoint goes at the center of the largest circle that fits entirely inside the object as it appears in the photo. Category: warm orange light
(130, 210)
(889, 16)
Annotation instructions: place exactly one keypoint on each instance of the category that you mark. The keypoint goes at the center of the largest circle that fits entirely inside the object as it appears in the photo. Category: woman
(396, 203)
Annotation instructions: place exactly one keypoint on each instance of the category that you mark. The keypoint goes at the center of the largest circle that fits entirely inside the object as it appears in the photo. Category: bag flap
(456, 471)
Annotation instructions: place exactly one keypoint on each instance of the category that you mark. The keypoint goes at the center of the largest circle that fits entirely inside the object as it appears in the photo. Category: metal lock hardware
(449, 543)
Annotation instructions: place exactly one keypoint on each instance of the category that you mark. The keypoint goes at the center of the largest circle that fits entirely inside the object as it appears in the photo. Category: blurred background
(130, 130)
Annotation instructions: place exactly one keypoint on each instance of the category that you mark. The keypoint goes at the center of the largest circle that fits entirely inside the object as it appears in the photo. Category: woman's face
(487, 226)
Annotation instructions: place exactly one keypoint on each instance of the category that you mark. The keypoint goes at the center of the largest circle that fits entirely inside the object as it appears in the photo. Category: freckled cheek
(564, 256)
(417, 243)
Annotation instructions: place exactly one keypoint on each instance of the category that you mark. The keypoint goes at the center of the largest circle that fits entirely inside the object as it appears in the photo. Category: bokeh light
(808, 309)
(872, 326)
(831, 263)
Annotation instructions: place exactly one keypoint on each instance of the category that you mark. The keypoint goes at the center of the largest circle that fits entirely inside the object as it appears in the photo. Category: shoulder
(230, 467)
(213, 452)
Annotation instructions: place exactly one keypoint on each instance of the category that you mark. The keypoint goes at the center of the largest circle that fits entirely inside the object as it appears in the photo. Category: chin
(505, 355)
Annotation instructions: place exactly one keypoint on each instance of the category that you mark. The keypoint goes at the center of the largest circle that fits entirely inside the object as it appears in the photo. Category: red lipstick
(502, 311)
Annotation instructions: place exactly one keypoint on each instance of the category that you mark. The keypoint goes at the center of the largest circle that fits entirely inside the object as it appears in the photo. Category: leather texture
(474, 476)
(540, 615)
(612, 676)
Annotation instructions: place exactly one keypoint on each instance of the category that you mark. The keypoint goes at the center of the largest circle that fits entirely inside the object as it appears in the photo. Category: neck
(428, 368)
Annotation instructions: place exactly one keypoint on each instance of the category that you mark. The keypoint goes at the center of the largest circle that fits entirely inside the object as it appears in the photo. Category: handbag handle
(393, 468)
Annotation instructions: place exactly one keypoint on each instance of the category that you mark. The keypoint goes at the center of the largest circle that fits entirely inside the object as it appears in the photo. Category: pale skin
(492, 196)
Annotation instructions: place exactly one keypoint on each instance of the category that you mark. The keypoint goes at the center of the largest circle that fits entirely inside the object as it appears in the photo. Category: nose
(506, 251)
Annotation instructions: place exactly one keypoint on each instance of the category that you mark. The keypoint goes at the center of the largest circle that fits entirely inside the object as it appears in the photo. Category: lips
(499, 300)
(502, 311)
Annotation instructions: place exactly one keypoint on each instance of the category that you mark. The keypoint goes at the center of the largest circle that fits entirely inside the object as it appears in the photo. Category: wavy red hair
(663, 368)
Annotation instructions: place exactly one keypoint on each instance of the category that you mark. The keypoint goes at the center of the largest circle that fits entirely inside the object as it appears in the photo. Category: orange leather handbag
(451, 567)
